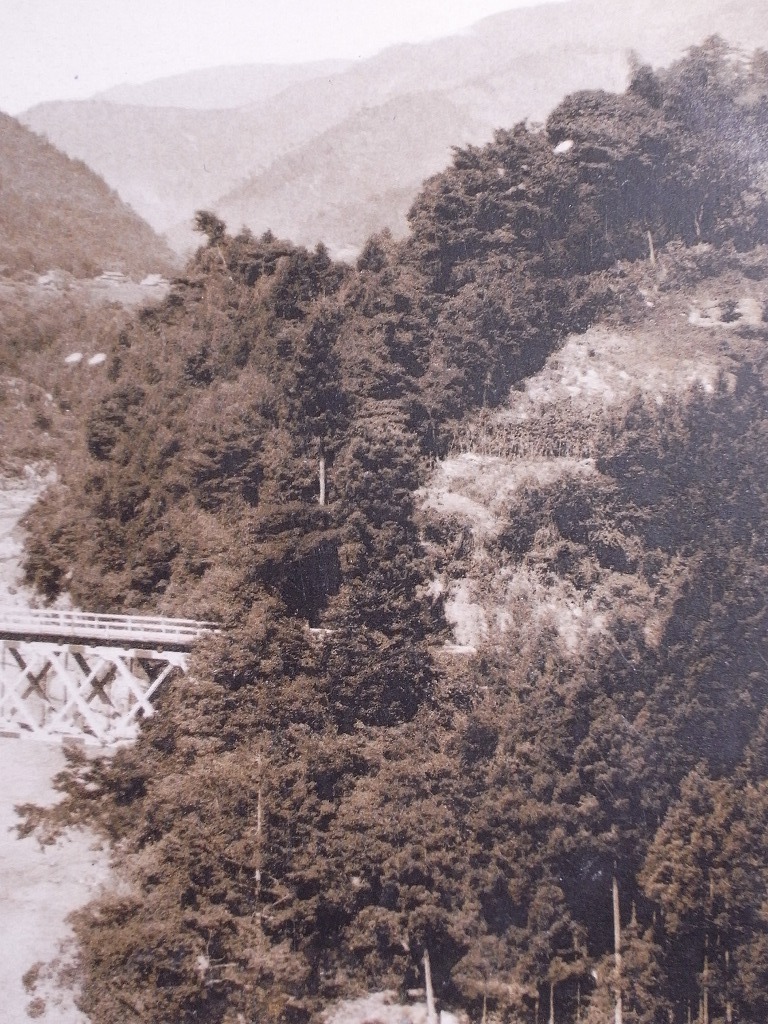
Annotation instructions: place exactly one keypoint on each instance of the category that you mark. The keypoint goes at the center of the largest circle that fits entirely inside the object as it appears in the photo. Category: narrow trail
(39, 887)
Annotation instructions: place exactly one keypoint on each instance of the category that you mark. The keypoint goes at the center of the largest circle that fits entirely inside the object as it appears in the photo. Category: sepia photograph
(384, 512)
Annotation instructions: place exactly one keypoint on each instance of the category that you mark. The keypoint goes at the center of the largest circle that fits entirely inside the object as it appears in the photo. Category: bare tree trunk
(551, 1002)
(618, 1012)
(259, 827)
(651, 249)
(322, 479)
(431, 1012)
(697, 221)
(705, 972)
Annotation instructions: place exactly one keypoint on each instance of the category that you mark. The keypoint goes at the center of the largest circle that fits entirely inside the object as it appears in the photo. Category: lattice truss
(97, 693)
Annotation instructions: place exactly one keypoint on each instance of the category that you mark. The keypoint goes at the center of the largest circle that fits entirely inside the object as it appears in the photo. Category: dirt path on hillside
(39, 888)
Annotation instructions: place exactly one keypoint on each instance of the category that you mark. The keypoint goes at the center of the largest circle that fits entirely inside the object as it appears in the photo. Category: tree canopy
(311, 813)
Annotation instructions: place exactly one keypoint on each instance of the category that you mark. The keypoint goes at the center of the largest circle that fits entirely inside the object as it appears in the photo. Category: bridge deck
(109, 630)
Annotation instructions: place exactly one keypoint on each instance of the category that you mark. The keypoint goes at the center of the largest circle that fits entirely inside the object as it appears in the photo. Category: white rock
(73, 358)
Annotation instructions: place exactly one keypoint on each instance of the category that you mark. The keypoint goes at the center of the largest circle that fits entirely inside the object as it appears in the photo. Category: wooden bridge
(90, 677)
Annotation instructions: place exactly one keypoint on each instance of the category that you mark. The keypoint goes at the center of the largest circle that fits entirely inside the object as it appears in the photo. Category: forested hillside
(565, 824)
(56, 213)
(61, 227)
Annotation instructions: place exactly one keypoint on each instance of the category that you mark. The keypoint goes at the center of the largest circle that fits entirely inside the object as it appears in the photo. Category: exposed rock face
(551, 434)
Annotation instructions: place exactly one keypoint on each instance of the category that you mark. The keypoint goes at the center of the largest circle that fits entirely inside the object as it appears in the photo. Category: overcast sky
(67, 49)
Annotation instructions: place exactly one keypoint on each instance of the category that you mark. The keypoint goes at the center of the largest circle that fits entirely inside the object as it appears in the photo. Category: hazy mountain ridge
(160, 159)
(169, 161)
(57, 213)
(390, 147)
(220, 87)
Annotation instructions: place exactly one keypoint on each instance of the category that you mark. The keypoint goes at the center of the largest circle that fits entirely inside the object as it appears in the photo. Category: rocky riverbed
(39, 886)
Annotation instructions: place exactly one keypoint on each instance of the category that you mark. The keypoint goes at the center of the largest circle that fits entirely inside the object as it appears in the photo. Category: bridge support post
(51, 690)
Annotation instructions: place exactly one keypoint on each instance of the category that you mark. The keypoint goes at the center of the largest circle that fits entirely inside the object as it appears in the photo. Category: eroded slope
(522, 515)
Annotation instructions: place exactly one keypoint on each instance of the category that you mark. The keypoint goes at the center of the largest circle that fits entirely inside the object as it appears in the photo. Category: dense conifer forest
(308, 815)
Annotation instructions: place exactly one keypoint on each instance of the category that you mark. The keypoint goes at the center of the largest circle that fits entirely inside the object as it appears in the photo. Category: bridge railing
(116, 629)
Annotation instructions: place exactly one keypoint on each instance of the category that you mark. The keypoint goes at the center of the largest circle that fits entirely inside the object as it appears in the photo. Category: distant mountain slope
(221, 88)
(168, 162)
(55, 212)
(364, 172)
(372, 160)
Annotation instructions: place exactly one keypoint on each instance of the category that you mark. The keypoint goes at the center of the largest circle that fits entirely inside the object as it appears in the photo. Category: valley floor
(39, 886)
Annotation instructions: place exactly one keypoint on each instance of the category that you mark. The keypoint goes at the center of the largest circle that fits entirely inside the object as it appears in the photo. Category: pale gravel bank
(39, 887)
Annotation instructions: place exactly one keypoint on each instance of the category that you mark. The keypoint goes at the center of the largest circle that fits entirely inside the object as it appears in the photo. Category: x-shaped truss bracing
(99, 694)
